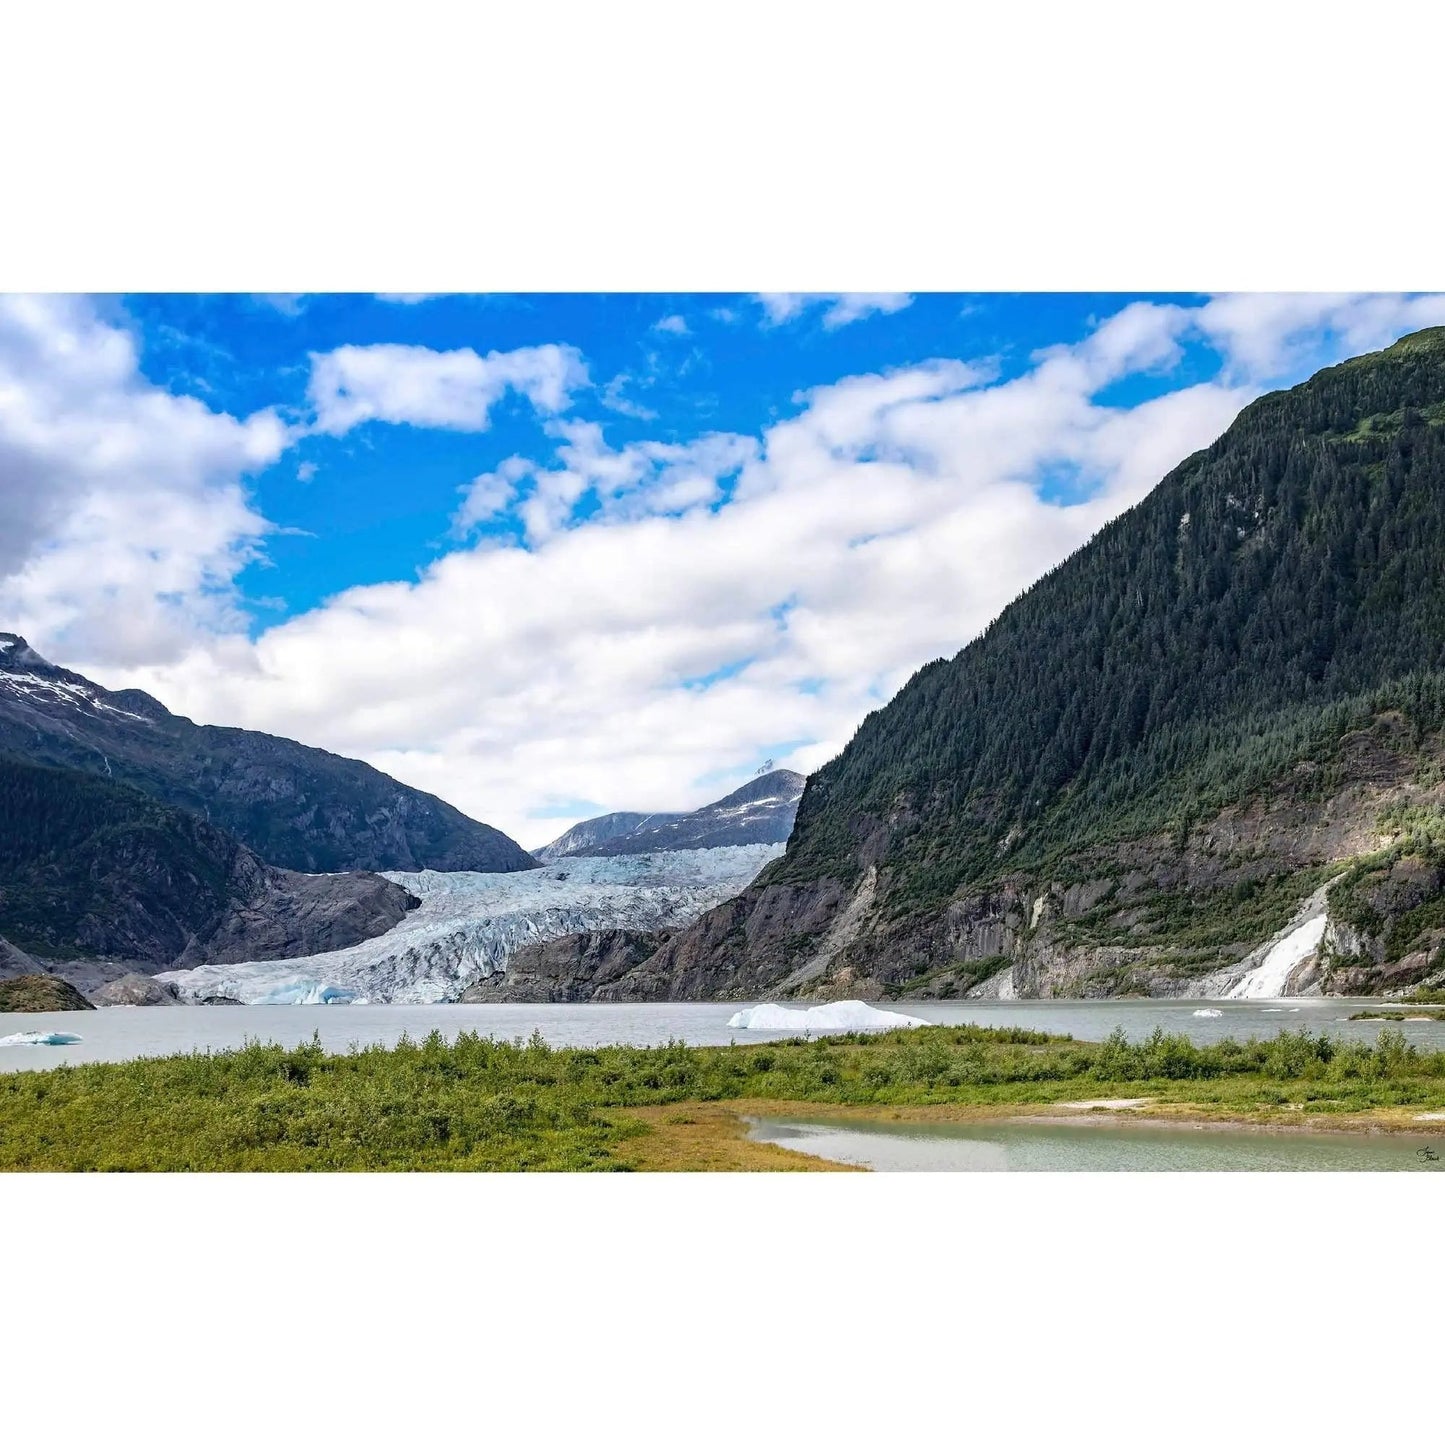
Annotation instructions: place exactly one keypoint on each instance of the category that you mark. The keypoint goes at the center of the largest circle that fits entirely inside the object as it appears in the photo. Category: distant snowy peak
(580, 839)
(761, 811)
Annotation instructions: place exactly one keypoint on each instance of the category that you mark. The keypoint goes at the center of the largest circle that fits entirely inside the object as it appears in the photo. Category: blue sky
(378, 504)
(553, 555)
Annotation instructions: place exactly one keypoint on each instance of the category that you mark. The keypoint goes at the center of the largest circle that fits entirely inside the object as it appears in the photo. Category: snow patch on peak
(53, 690)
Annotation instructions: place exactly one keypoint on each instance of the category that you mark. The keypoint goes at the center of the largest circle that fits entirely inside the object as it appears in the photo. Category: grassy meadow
(481, 1104)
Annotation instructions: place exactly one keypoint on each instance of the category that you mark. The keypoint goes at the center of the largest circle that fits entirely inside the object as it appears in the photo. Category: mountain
(98, 879)
(582, 838)
(1216, 727)
(761, 811)
(295, 806)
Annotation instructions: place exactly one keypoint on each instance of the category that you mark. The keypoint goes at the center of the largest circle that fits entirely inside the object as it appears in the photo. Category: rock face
(761, 811)
(470, 925)
(97, 879)
(1154, 916)
(296, 807)
(135, 990)
(14, 961)
(1145, 768)
(571, 969)
(38, 994)
(281, 914)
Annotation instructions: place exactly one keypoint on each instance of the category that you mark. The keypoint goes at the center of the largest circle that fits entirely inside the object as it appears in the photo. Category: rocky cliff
(574, 968)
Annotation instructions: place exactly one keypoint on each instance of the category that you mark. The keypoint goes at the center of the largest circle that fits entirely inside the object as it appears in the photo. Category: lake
(127, 1033)
(1055, 1146)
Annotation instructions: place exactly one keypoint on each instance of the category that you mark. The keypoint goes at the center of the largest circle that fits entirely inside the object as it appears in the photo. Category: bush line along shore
(481, 1104)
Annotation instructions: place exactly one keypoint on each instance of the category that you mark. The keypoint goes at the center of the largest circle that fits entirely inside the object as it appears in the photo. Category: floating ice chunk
(846, 1014)
(39, 1038)
(1207, 1013)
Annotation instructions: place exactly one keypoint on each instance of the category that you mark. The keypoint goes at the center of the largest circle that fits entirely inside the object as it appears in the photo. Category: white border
(281, 147)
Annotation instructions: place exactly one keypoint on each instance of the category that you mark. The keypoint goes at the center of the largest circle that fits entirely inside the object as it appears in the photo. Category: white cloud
(640, 479)
(672, 325)
(123, 517)
(1264, 337)
(305, 471)
(407, 298)
(681, 609)
(841, 308)
(611, 396)
(486, 496)
(453, 389)
(883, 525)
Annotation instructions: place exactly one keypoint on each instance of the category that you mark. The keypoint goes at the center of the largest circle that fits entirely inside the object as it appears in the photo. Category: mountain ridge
(760, 811)
(297, 807)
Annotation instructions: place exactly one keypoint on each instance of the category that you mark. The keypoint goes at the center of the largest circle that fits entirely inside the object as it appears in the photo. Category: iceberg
(40, 1038)
(1207, 1013)
(846, 1015)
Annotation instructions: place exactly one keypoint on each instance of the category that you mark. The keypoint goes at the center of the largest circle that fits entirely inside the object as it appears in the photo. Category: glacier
(469, 924)
(846, 1014)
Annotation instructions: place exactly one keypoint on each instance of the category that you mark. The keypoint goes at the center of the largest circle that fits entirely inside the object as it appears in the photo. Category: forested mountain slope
(1151, 757)
(92, 870)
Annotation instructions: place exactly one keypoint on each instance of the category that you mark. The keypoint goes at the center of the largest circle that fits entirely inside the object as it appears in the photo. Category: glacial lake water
(1052, 1146)
(126, 1033)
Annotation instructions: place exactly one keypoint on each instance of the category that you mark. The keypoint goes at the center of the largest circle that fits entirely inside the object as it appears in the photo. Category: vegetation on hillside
(1276, 592)
(481, 1104)
(90, 867)
(35, 993)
